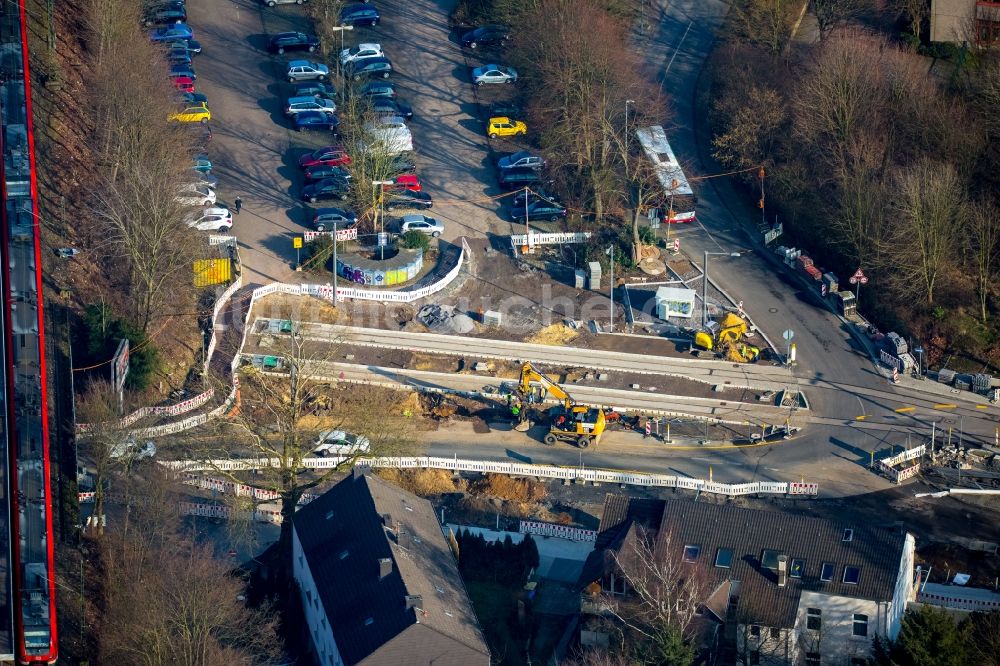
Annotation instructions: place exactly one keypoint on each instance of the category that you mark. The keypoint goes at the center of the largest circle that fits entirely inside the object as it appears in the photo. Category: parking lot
(255, 150)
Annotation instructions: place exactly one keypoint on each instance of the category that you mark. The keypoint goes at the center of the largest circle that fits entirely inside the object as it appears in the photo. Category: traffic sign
(297, 242)
(788, 334)
(859, 277)
(677, 245)
(822, 290)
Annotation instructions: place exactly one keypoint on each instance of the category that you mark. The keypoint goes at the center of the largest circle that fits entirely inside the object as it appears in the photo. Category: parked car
(183, 70)
(361, 52)
(508, 109)
(324, 171)
(407, 199)
(521, 158)
(493, 74)
(359, 14)
(504, 126)
(422, 223)
(296, 105)
(316, 120)
(201, 163)
(196, 195)
(292, 41)
(194, 98)
(328, 188)
(391, 107)
(369, 68)
(179, 57)
(326, 218)
(400, 164)
(406, 181)
(533, 195)
(390, 134)
(315, 89)
(331, 155)
(272, 3)
(206, 179)
(487, 34)
(340, 443)
(192, 46)
(511, 179)
(192, 113)
(212, 219)
(303, 70)
(183, 83)
(166, 15)
(539, 210)
(172, 33)
(130, 448)
(376, 89)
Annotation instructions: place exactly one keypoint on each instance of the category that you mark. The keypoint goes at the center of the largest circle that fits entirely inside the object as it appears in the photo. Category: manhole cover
(772, 310)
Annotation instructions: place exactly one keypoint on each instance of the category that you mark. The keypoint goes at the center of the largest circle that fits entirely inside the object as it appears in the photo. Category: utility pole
(611, 251)
(335, 264)
(704, 281)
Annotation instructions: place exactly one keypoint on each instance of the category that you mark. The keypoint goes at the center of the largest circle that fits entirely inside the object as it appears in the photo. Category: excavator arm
(529, 374)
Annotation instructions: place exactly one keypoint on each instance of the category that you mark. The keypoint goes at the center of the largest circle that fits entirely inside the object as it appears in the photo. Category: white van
(340, 443)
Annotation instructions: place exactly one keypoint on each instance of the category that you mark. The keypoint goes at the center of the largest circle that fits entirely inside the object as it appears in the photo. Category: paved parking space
(255, 151)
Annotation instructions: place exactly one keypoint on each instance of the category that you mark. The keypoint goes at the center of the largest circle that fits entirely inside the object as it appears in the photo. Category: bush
(103, 334)
(413, 240)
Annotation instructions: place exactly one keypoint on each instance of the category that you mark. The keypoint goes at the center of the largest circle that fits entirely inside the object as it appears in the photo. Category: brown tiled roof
(344, 535)
(876, 552)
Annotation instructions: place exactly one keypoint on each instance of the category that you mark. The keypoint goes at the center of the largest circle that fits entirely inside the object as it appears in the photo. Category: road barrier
(560, 531)
(167, 410)
(238, 489)
(272, 516)
(889, 465)
(517, 241)
(518, 469)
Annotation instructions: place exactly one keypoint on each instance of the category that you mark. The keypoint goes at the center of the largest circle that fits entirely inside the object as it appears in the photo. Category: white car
(197, 194)
(340, 443)
(298, 104)
(129, 448)
(212, 219)
(361, 52)
(421, 223)
(389, 133)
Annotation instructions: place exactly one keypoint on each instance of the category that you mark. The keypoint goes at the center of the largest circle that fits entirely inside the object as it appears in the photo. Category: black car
(324, 171)
(329, 188)
(385, 106)
(377, 89)
(192, 46)
(408, 199)
(326, 218)
(533, 195)
(369, 68)
(314, 89)
(511, 179)
(539, 210)
(293, 41)
(509, 109)
(359, 14)
(316, 120)
(487, 34)
(400, 164)
(166, 15)
(178, 56)
(194, 98)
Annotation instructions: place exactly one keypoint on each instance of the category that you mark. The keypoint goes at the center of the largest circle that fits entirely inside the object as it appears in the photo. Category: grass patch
(496, 608)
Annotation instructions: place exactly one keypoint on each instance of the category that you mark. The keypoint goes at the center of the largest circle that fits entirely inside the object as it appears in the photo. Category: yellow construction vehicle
(569, 422)
(726, 338)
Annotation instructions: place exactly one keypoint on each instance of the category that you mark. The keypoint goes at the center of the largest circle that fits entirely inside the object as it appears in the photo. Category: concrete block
(480, 367)
(492, 318)
(602, 377)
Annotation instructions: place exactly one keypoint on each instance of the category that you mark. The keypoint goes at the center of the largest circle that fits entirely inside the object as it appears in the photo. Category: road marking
(861, 418)
(903, 410)
(982, 406)
(945, 405)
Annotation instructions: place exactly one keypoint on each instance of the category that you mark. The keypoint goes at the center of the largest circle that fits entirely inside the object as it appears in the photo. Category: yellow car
(504, 126)
(196, 113)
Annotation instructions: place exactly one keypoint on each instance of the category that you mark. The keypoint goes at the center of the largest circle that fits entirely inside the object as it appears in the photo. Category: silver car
(304, 70)
(493, 74)
(298, 104)
(421, 223)
(272, 3)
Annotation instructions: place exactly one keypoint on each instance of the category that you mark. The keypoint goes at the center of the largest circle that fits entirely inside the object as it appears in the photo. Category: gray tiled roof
(748, 532)
(343, 536)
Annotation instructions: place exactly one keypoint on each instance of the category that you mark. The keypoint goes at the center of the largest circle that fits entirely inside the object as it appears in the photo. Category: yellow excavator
(568, 422)
(726, 338)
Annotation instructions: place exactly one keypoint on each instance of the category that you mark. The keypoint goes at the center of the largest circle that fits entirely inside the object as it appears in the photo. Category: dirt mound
(554, 334)
(422, 482)
(500, 486)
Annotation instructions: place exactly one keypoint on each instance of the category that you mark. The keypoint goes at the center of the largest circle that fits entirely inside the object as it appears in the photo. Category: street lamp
(341, 29)
(704, 282)
(627, 102)
(379, 211)
(335, 264)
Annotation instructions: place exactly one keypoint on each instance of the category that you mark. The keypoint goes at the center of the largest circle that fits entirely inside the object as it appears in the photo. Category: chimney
(782, 570)
(414, 601)
(384, 567)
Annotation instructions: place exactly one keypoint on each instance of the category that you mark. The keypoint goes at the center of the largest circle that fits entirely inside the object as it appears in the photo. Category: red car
(326, 156)
(407, 181)
(183, 83)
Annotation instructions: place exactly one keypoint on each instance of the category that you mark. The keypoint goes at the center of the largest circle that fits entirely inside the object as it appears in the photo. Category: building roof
(346, 536)
(748, 533)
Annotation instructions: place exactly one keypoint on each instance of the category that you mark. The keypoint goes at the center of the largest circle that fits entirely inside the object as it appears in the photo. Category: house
(783, 588)
(973, 22)
(378, 581)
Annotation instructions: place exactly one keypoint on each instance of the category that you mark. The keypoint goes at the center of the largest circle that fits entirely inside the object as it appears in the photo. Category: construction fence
(895, 467)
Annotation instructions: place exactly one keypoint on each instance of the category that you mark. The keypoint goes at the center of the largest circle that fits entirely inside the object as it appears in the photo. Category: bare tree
(930, 202)
(860, 223)
(831, 13)
(915, 11)
(753, 124)
(765, 23)
(983, 233)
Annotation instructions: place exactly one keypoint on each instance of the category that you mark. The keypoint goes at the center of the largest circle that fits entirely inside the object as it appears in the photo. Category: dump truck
(568, 422)
(725, 337)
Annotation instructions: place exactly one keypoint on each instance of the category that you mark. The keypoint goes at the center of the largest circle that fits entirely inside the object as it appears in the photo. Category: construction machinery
(568, 422)
(725, 337)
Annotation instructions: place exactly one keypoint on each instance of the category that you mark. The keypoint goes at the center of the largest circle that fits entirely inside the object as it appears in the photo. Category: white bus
(677, 192)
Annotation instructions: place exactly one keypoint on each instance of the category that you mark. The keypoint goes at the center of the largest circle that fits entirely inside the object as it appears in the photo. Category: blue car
(316, 120)
(359, 14)
(201, 163)
(181, 69)
(172, 33)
